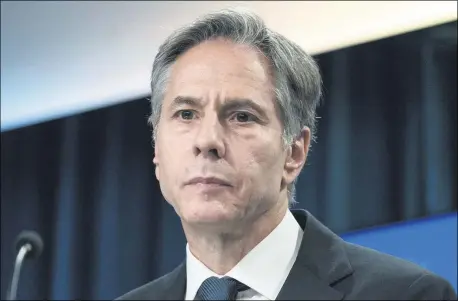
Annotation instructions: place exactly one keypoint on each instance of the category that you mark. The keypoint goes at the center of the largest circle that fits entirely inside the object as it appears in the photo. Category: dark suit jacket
(328, 268)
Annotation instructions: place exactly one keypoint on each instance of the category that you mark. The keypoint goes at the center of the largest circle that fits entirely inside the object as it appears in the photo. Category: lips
(208, 181)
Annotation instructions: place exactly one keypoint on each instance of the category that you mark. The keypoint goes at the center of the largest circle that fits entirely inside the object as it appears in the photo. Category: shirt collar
(264, 269)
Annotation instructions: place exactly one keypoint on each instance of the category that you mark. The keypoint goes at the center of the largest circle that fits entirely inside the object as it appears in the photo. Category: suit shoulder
(375, 269)
(152, 290)
(431, 287)
(373, 262)
(145, 291)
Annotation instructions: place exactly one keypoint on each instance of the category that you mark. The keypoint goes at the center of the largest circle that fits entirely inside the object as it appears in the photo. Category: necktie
(215, 288)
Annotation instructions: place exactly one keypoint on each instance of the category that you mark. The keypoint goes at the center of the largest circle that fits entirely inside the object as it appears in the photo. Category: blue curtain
(386, 146)
(386, 152)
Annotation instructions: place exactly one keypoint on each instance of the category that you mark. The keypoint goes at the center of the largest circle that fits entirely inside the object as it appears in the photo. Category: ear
(296, 156)
(156, 162)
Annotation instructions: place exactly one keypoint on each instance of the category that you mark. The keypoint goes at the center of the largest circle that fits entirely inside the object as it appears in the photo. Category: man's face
(219, 151)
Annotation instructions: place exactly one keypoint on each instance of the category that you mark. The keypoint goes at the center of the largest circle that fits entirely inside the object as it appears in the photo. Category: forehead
(221, 68)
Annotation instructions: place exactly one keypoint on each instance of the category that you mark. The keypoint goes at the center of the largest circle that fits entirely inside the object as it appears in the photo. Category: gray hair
(296, 74)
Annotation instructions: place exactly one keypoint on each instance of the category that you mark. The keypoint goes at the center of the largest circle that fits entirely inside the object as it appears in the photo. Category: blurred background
(76, 150)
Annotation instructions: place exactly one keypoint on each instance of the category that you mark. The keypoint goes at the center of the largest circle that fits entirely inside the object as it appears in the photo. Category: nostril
(214, 152)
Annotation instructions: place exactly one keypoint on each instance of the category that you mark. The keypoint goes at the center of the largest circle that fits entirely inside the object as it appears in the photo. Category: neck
(220, 250)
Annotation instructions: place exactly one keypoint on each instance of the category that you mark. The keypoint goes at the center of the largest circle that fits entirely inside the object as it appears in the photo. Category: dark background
(386, 152)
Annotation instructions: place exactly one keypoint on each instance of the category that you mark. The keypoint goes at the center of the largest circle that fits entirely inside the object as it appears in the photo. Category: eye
(243, 117)
(186, 114)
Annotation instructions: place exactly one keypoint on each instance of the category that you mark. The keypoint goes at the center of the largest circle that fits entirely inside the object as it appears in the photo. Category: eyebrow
(186, 100)
(230, 104)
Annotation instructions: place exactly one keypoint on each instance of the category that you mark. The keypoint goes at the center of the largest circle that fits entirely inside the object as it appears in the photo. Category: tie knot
(215, 288)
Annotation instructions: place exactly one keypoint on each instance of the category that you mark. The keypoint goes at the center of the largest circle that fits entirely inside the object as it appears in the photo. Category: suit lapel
(302, 284)
(320, 263)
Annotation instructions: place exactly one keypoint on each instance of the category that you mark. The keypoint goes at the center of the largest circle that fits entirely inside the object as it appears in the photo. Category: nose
(209, 141)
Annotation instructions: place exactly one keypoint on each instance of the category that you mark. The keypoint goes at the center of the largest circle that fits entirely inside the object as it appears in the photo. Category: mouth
(208, 181)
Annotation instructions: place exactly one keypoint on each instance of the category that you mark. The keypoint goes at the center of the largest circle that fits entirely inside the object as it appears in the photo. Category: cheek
(171, 159)
(262, 164)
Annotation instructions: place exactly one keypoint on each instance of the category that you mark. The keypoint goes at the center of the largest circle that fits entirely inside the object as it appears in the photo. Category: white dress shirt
(264, 269)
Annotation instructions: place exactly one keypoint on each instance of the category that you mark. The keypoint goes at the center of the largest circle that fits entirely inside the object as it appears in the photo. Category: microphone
(28, 245)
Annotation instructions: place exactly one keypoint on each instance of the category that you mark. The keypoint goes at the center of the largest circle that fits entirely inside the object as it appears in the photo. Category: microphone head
(32, 238)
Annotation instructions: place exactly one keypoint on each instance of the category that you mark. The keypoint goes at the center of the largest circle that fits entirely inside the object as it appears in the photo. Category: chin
(208, 212)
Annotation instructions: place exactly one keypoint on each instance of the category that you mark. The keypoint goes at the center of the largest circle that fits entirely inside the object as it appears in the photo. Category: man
(233, 113)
